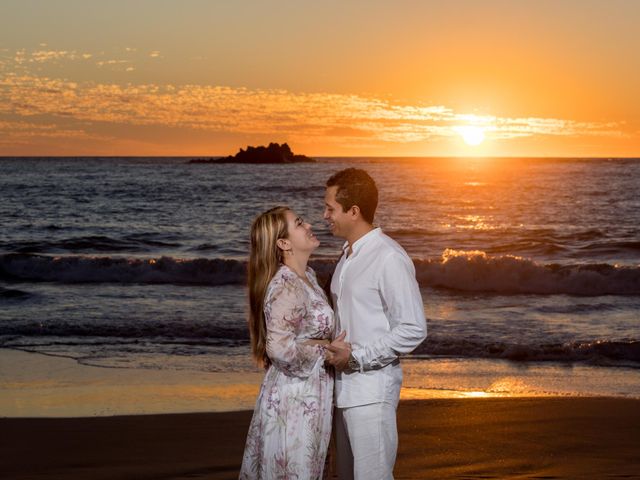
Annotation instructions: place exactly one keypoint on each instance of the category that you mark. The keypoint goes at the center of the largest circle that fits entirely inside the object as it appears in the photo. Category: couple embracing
(329, 366)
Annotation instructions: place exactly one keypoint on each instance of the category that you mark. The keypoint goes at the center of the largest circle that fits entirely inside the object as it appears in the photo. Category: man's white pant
(366, 441)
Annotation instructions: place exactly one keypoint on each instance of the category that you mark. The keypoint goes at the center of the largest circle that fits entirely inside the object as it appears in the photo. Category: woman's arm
(285, 311)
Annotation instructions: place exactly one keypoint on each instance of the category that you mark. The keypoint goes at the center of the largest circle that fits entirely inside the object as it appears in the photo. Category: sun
(471, 135)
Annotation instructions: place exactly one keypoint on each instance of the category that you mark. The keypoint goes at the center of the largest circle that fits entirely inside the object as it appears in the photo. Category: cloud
(337, 118)
(102, 63)
(23, 133)
(22, 57)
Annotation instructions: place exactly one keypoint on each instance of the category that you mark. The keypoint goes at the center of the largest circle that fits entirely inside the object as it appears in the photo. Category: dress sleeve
(285, 309)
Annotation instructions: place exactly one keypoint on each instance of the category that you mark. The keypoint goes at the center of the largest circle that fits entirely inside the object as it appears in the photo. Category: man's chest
(355, 281)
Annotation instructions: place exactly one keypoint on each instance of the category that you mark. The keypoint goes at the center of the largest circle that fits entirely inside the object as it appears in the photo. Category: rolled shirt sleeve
(403, 307)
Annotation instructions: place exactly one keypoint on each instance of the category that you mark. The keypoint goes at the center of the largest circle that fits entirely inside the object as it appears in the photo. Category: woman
(290, 322)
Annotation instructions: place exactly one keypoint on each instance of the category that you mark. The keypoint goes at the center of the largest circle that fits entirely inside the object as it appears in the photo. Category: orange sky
(371, 78)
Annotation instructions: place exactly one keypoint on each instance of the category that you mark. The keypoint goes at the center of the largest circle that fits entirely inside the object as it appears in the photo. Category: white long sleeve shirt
(377, 301)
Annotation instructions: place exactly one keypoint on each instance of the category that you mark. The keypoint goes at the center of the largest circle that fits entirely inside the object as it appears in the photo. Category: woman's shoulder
(285, 274)
(285, 281)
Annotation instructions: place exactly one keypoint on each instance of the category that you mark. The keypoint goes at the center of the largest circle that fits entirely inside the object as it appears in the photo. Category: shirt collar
(357, 245)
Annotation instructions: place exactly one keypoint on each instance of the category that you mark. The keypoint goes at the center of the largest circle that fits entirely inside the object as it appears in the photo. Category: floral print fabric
(291, 425)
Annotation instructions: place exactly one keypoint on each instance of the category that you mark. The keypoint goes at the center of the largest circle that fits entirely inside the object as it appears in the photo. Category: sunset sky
(332, 78)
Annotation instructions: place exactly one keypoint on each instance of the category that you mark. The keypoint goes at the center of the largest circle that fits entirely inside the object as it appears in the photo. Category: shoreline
(40, 385)
(438, 438)
(65, 420)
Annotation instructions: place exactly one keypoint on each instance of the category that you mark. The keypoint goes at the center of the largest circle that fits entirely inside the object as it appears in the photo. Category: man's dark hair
(355, 187)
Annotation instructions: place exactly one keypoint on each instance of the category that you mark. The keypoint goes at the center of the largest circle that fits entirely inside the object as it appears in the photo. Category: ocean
(524, 264)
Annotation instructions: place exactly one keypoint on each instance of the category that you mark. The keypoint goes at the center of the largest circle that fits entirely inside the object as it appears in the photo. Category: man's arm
(404, 309)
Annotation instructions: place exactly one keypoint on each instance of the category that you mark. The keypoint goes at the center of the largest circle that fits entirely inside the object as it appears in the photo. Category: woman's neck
(297, 263)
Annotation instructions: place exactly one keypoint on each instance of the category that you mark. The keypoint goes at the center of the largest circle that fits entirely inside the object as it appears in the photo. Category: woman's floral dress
(291, 425)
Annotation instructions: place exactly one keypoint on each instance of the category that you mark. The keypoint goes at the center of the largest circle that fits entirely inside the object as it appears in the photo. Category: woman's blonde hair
(264, 260)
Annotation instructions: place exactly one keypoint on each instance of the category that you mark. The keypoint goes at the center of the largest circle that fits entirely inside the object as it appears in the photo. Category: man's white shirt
(377, 301)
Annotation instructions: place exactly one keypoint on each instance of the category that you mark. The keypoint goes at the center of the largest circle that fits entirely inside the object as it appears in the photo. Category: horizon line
(560, 157)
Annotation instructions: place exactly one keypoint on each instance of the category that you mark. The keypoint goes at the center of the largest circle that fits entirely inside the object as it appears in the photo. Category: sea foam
(465, 271)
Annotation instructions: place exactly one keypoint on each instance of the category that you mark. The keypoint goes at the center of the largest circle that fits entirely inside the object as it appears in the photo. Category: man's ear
(355, 211)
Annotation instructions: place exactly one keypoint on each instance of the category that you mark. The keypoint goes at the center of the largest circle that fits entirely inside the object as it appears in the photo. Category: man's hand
(337, 353)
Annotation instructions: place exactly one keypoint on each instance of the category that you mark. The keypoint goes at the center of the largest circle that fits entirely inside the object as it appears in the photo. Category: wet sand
(439, 438)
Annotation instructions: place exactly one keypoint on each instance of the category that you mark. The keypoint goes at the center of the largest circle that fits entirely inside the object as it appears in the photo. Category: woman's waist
(314, 340)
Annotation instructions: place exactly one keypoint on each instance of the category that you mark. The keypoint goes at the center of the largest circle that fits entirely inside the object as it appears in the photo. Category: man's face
(339, 221)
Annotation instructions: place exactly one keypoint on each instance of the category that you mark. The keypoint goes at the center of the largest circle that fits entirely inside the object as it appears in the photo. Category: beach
(63, 420)
(455, 438)
(461, 178)
(124, 348)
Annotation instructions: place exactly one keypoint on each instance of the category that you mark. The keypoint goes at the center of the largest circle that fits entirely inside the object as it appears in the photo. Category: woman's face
(301, 238)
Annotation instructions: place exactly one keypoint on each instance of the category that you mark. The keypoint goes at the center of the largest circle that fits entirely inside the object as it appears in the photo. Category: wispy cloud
(24, 57)
(333, 117)
(102, 63)
(23, 133)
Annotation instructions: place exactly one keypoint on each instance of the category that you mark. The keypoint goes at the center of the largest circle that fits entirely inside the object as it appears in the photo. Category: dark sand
(457, 438)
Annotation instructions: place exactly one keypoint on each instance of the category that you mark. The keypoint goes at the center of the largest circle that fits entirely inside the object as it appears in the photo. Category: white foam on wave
(467, 271)
(476, 271)
(598, 352)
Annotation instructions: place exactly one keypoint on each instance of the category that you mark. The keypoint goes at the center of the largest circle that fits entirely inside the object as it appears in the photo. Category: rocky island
(274, 153)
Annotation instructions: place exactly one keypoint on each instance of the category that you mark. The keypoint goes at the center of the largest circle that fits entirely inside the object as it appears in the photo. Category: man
(377, 303)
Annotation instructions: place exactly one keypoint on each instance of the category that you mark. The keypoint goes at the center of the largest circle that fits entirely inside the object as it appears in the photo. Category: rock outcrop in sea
(274, 153)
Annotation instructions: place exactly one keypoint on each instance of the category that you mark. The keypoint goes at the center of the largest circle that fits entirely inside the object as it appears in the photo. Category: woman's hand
(337, 353)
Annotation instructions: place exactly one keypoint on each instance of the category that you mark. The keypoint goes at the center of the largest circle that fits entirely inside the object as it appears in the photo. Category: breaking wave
(199, 339)
(476, 271)
(600, 352)
(465, 271)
